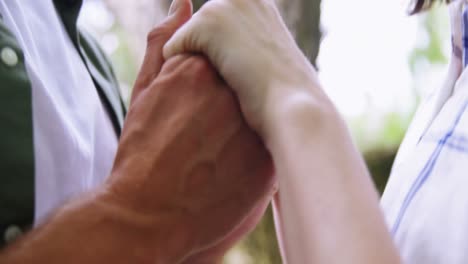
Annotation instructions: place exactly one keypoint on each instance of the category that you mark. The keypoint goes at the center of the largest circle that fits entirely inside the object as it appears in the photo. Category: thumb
(179, 13)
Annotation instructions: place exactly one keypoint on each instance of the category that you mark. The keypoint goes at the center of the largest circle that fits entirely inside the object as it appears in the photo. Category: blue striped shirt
(426, 199)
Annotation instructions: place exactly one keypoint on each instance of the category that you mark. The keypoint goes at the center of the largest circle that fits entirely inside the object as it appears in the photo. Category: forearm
(329, 207)
(91, 230)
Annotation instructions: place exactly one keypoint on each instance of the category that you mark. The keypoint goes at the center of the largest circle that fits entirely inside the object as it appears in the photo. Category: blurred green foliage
(434, 24)
(262, 244)
(387, 135)
(125, 66)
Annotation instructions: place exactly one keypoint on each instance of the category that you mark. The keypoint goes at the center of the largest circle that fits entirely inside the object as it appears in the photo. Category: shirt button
(12, 233)
(9, 56)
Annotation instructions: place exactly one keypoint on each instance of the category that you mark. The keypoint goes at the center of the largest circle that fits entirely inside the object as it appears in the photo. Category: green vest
(16, 132)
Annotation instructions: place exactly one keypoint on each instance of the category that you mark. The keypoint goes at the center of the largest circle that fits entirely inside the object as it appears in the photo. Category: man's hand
(189, 179)
(186, 157)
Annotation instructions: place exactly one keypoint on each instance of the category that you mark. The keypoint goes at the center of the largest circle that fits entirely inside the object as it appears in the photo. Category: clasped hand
(187, 160)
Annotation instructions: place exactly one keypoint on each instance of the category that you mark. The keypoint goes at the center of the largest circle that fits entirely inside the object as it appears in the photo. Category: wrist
(153, 238)
(303, 113)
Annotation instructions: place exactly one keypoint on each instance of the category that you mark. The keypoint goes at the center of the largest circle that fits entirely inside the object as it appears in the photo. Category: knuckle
(173, 63)
(199, 65)
(192, 70)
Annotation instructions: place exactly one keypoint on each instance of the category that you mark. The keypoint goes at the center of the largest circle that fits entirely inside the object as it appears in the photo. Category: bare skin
(190, 177)
(327, 207)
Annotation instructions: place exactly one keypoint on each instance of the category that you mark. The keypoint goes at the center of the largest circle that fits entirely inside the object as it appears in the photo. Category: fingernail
(174, 6)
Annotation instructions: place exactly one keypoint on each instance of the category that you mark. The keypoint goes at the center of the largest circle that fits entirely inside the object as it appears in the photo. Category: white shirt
(74, 140)
(426, 199)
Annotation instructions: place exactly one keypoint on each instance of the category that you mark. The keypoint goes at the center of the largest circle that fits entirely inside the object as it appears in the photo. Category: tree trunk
(197, 4)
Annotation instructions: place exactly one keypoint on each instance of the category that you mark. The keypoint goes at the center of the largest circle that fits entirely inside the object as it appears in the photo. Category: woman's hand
(328, 203)
(251, 47)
